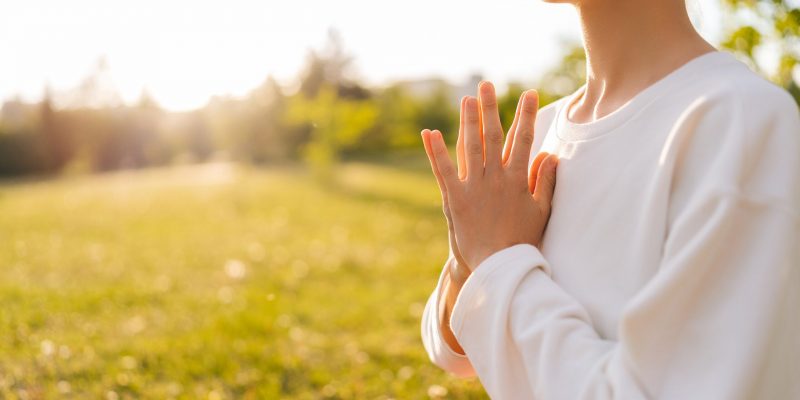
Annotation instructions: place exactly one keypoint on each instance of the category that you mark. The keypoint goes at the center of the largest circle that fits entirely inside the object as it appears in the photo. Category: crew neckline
(567, 130)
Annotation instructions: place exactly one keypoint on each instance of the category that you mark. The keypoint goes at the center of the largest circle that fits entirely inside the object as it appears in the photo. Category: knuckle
(474, 149)
(525, 137)
(447, 170)
(440, 150)
(471, 114)
(494, 137)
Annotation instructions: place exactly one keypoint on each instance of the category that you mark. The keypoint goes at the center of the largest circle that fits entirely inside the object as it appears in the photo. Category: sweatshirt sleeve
(718, 321)
(438, 350)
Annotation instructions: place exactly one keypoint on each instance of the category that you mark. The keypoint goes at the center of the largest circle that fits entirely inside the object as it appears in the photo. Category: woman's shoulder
(739, 132)
(734, 86)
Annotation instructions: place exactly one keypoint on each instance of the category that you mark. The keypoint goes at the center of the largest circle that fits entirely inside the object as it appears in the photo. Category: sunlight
(184, 52)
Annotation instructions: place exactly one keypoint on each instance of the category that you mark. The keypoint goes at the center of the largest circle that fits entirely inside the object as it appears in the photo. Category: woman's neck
(629, 47)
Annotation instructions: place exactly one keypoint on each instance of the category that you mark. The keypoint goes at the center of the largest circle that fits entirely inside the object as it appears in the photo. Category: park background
(276, 240)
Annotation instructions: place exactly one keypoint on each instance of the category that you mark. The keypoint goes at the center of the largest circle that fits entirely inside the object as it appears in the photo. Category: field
(221, 282)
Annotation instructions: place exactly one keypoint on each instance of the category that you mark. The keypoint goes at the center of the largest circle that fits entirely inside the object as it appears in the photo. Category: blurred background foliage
(328, 117)
(279, 244)
(770, 26)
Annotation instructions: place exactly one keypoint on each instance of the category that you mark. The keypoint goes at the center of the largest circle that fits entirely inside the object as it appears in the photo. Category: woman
(669, 263)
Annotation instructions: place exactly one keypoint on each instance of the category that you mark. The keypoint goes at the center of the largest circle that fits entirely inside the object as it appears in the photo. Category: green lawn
(218, 281)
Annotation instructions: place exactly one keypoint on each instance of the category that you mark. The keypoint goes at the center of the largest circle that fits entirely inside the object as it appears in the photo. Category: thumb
(546, 181)
(533, 173)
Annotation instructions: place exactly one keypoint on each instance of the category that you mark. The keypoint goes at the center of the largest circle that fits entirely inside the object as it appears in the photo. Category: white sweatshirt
(670, 266)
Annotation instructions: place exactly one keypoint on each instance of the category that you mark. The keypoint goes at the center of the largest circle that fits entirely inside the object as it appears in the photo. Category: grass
(218, 282)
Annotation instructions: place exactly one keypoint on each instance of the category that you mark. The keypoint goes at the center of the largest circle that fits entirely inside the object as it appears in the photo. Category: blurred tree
(200, 144)
(330, 65)
(395, 120)
(336, 124)
(265, 136)
(435, 111)
(507, 103)
(23, 152)
(58, 144)
(96, 90)
(766, 24)
(146, 120)
(566, 77)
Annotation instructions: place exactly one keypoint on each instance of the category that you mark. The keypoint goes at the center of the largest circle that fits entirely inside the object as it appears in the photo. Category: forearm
(441, 351)
(452, 286)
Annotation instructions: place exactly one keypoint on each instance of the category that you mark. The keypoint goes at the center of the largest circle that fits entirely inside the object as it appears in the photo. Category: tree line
(329, 116)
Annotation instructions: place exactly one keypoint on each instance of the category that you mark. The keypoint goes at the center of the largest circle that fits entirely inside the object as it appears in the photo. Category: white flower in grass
(64, 387)
(47, 347)
(128, 362)
(405, 373)
(436, 391)
(235, 269)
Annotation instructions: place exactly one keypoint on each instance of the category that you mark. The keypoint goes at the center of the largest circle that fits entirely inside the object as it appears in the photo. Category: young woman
(669, 267)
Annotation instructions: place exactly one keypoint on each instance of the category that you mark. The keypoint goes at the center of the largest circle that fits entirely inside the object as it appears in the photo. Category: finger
(546, 182)
(492, 128)
(460, 157)
(533, 173)
(444, 164)
(426, 141)
(473, 145)
(511, 132)
(523, 138)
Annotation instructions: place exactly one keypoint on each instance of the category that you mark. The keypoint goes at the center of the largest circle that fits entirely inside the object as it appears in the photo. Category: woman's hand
(490, 198)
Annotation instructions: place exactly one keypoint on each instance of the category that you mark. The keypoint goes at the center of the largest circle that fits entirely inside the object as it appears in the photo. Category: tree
(337, 124)
(566, 77)
(435, 110)
(58, 145)
(329, 66)
(766, 24)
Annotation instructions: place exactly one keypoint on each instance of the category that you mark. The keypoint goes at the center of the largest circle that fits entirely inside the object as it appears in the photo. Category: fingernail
(486, 87)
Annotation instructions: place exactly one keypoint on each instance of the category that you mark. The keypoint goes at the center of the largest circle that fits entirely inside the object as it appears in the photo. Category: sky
(183, 52)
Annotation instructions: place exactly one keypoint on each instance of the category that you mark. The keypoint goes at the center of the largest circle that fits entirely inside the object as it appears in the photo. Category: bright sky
(182, 52)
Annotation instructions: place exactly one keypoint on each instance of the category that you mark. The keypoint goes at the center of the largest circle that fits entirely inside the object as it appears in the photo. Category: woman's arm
(437, 337)
(442, 346)
(718, 321)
